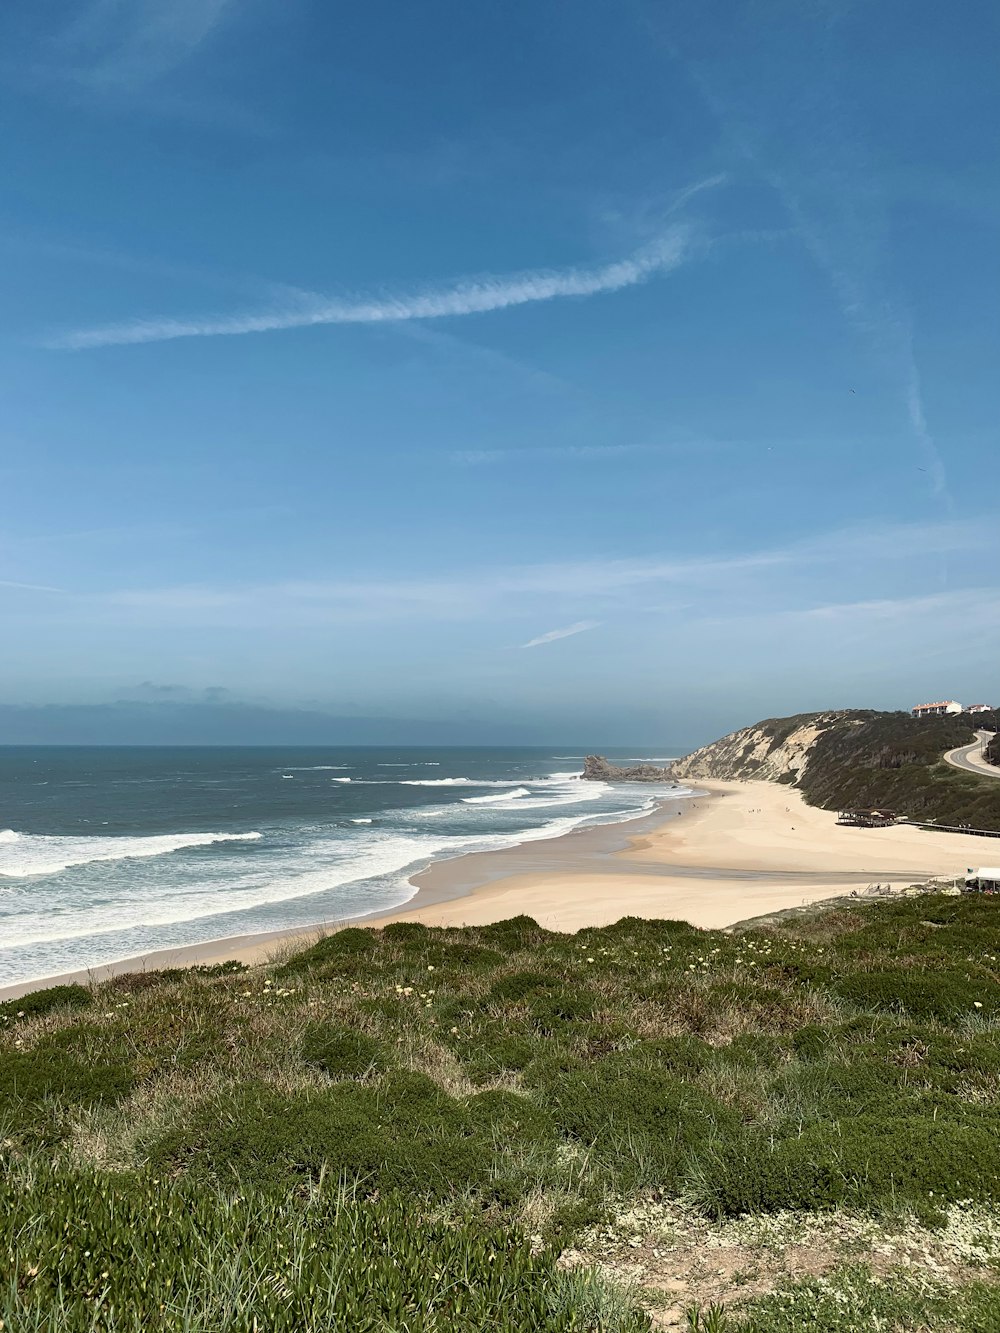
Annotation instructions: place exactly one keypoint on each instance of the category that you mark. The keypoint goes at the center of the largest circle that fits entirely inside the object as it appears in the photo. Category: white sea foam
(514, 795)
(318, 768)
(24, 854)
(546, 800)
(430, 782)
(340, 872)
(319, 868)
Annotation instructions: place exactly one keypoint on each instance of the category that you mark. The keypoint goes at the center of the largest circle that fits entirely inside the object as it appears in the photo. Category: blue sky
(625, 370)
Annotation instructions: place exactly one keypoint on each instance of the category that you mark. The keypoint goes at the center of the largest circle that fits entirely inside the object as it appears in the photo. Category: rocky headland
(597, 769)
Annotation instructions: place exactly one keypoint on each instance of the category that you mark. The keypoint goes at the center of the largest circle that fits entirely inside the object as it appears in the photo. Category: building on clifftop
(938, 709)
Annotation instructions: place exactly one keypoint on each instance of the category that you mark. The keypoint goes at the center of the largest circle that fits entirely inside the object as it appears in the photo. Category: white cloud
(27, 587)
(567, 633)
(847, 566)
(467, 297)
(128, 42)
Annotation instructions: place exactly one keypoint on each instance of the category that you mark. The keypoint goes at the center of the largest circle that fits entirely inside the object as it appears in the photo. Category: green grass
(142, 1254)
(375, 1129)
(857, 1298)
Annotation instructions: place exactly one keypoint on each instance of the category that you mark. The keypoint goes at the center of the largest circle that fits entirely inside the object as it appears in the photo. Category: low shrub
(39, 1002)
(942, 994)
(519, 933)
(135, 983)
(492, 1053)
(39, 1087)
(551, 1012)
(464, 958)
(341, 1052)
(866, 1162)
(402, 1134)
(509, 1117)
(336, 953)
(649, 1122)
(812, 1042)
(517, 986)
(685, 1056)
(406, 933)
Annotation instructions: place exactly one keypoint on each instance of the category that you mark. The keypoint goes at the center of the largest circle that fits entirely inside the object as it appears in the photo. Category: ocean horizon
(111, 852)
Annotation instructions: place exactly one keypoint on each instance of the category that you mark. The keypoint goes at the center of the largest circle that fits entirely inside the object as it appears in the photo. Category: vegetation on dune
(402, 1129)
(861, 759)
(895, 760)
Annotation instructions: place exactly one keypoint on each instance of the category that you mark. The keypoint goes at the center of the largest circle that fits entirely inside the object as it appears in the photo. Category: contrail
(568, 632)
(471, 297)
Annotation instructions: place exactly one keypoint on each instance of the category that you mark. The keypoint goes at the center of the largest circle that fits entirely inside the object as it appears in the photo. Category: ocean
(106, 853)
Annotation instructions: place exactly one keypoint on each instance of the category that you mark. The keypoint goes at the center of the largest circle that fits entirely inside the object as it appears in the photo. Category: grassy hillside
(861, 758)
(895, 760)
(504, 1128)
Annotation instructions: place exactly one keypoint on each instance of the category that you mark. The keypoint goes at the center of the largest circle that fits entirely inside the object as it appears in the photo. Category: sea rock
(597, 769)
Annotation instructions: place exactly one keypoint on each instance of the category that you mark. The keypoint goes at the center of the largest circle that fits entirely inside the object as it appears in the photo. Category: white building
(938, 709)
(979, 708)
(984, 880)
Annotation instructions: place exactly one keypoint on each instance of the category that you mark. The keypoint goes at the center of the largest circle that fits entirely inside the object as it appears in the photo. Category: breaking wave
(24, 854)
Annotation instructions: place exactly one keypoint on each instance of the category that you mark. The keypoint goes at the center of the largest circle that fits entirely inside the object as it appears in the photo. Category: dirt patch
(675, 1258)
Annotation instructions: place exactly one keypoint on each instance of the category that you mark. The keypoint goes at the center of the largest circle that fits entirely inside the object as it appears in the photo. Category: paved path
(969, 757)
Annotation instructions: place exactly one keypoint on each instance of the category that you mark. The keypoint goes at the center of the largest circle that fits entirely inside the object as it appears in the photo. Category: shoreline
(729, 852)
(258, 946)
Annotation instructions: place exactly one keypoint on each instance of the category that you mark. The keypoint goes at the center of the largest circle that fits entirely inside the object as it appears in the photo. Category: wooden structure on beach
(867, 818)
(984, 880)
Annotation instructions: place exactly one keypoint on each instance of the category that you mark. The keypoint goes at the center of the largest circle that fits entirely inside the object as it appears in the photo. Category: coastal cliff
(597, 769)
(853, 758)
(777, 750)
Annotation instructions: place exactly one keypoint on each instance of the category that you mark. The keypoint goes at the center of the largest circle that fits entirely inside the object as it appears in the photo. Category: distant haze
(128, 723)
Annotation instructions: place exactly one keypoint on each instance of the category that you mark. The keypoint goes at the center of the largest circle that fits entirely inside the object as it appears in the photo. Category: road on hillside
(969, 758)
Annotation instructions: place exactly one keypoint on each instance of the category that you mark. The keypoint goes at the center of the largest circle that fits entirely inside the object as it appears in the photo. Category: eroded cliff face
(777, 750)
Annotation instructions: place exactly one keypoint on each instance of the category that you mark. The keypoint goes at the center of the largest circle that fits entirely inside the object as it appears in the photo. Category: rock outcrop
(597, 769)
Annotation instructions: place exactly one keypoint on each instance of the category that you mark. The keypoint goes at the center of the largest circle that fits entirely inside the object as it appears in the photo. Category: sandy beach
(740, 850)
